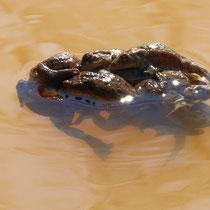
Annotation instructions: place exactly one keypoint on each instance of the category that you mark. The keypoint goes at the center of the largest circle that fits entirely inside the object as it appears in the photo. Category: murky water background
(93, 164)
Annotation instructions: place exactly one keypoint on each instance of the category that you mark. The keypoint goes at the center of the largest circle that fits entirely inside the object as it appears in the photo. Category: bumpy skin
(151, 58)
(54, 70)
(102, 86)
(100, 59)
(199, 92)
(178, 89)
(168, 80)
(147, 65)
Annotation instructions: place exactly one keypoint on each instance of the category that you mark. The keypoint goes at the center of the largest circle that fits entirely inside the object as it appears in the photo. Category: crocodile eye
(124, 58)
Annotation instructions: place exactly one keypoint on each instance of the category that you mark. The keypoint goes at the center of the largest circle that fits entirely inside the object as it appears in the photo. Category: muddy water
(95, 163)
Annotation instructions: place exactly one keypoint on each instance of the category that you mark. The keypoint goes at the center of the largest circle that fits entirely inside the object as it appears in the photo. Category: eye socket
(124, 58)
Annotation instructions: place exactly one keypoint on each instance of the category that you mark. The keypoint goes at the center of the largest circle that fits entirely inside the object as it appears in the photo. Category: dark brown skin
(162, 80)
(54, 70)
(178, 89)
(100, 86)
(184, 79)
(143, 67)
(170, 80)
(199, 92)
(100, 59)
(150, 58)
(151, 86)
(62, 66)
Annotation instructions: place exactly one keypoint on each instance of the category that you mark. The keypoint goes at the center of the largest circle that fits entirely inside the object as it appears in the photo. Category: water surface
(144, 163)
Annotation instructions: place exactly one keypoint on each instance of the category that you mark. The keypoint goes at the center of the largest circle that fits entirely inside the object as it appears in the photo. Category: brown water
(99, 165)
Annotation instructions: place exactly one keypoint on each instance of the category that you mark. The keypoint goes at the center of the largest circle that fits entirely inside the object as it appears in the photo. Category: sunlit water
(99, 160)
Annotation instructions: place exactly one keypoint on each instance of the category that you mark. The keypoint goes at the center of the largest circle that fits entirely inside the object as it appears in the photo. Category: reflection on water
(141, 116)
(71, 157)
